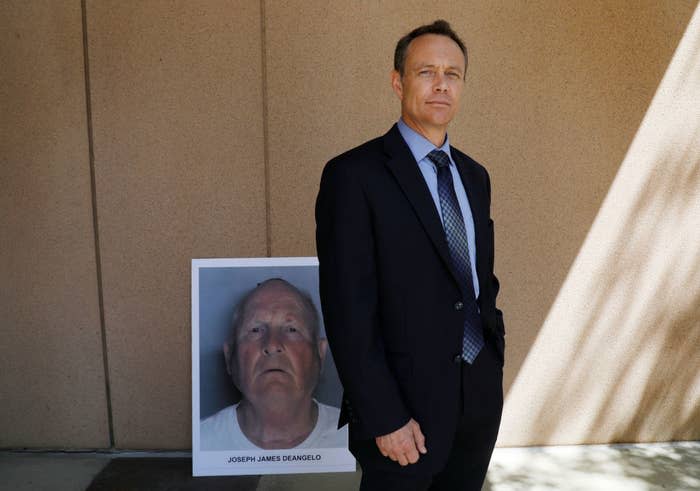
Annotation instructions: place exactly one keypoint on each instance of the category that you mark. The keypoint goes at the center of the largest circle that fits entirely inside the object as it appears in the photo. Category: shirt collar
(419, 145)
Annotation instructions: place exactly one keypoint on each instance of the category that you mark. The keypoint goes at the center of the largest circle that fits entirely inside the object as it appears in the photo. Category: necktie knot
(439, 158)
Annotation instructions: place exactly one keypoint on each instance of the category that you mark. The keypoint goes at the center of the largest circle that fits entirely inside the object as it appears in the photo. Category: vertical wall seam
(266, 150)
(93, 190)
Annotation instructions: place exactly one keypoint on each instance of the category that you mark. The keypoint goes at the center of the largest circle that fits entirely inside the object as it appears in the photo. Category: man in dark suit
(406, 252)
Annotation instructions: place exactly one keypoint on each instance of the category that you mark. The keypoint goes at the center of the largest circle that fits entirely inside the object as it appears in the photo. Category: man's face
(432, 83)
(276, 354)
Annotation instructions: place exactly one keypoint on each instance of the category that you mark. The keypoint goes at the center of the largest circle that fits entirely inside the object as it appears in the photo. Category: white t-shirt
(222, 432)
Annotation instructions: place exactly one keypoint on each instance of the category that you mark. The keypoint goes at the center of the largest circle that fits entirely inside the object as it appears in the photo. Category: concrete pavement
(642, 467)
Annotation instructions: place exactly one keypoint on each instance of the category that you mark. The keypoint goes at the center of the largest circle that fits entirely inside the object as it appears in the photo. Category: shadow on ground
(665, 466)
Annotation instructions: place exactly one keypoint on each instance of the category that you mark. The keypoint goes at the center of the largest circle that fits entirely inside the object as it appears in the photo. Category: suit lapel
(405, 169)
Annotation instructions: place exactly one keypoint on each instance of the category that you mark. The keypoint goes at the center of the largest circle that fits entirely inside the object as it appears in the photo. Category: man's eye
(255, 329)
(453, 75)
(425, 73)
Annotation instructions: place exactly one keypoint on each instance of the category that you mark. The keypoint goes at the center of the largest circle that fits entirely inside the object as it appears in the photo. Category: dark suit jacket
(390, 294)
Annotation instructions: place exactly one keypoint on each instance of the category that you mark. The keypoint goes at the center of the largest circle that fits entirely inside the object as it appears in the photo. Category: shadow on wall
(616, 359)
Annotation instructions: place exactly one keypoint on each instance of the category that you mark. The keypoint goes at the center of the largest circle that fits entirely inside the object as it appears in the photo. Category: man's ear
(227, 356)
(322, 348)
(396, 84)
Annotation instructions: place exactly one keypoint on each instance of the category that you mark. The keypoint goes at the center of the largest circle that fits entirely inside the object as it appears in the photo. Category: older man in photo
(274, 356)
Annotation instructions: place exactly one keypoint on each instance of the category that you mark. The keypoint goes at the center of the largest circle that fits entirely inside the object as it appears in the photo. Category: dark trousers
(482, 403)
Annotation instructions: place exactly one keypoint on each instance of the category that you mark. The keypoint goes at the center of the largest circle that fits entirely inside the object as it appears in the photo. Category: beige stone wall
(52, 381)
(616, 357)
(210, 124)
(177, 103)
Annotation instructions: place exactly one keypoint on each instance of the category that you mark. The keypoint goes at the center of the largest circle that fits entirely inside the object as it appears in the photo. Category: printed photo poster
(265, 391)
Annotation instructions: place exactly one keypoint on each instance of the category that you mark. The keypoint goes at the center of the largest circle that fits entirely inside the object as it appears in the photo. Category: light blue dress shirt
(420, 148)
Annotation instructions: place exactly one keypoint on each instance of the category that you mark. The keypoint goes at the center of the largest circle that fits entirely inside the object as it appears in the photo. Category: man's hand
(403, 445)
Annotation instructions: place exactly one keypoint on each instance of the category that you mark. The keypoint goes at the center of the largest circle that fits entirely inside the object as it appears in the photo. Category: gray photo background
(220, 290)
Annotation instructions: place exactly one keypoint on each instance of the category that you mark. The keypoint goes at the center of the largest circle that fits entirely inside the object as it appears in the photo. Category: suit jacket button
(459, 305)
(457, 359)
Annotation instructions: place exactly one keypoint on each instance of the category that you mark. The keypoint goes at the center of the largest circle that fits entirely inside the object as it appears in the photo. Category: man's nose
(440, 82)
(272, 343)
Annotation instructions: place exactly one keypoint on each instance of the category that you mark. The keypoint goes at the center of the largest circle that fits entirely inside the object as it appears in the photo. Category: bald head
(266, 292)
